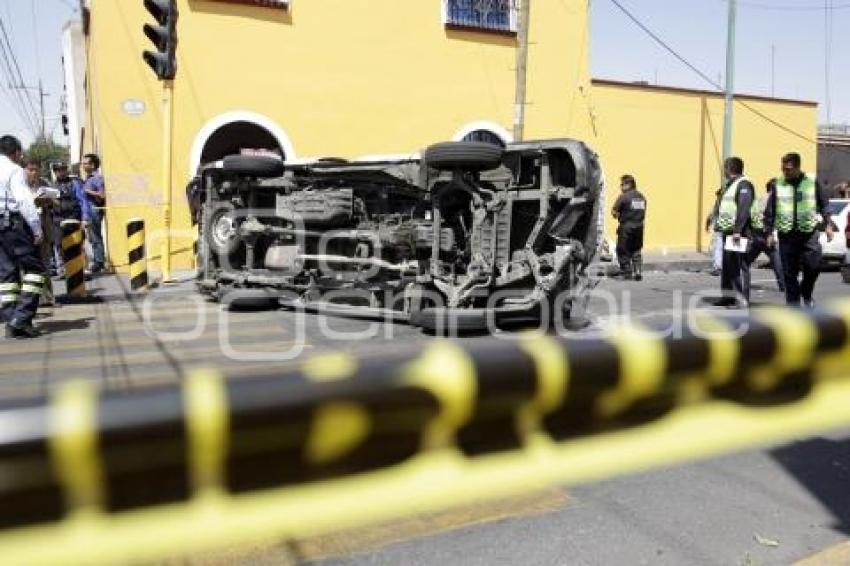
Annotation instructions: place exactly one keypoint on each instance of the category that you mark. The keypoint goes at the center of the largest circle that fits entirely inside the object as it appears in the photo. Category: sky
(796, 29)
(696, 29)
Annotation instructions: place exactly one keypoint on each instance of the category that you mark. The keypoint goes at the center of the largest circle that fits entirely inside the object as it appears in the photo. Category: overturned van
(467, 235)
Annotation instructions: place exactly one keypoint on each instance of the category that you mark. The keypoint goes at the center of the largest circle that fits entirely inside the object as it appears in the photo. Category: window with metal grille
(493, 15)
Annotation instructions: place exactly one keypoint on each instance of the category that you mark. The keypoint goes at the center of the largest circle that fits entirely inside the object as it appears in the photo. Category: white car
(845, 268)
(834, 251)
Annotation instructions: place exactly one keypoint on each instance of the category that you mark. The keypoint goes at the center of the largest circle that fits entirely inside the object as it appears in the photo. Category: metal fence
(495, 15)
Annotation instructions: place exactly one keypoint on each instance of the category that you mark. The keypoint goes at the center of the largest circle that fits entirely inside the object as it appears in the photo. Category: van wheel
(222, 230)
(467, 156)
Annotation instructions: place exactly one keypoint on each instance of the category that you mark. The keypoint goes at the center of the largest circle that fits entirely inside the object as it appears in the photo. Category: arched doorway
(484, 131)
(233, 132)
(485, 136)
(237, 137)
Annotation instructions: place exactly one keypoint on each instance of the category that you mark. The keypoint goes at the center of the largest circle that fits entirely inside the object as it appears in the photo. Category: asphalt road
(773, 506)
(764, 507)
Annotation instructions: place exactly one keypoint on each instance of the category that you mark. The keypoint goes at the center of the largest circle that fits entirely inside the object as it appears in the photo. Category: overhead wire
(789, 7)
(708, 79)
(14, 95)
(37, 47)
(827, 57)
(16, 80)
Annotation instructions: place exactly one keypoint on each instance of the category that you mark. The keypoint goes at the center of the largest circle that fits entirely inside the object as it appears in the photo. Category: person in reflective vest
(760, 236)
(733, 221)
(796, 207)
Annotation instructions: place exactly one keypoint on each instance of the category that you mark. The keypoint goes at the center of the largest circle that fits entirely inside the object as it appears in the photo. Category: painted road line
(376, 536)
(24, 386)
(120, 359)
(89, 343)
(838, 555)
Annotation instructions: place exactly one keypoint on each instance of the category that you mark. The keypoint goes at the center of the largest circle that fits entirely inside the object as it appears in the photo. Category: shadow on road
(55, 326)
(822, 466)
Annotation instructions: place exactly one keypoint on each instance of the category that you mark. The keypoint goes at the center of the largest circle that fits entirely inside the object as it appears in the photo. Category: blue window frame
(496, 15)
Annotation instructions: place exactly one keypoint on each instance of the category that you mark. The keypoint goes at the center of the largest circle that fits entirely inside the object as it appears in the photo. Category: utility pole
(730, 81)
(773, 70)
(167, 140)
(163, 62)
(521, 68)
(41, 95)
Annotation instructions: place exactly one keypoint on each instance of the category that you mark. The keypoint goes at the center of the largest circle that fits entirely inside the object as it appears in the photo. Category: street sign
(133, 107)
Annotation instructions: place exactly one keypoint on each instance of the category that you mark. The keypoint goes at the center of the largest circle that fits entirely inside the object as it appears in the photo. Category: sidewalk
(665, 263)
(110, 287)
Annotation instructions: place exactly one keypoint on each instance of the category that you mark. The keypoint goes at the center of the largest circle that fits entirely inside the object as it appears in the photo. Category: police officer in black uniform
(22, 273)
(69, 207)
(630, 210)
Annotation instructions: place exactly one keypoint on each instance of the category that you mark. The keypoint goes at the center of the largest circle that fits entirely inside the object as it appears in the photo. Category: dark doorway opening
(238, 137)
(485, 136)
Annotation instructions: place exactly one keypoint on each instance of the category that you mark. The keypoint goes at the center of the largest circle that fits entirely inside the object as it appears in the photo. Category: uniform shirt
(744, 199)
(15, 195)
(821, 200)
(77, 189)
(95, 183)
(630, 208)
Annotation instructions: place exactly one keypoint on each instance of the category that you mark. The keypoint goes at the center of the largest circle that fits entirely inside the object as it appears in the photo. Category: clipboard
(730, 246)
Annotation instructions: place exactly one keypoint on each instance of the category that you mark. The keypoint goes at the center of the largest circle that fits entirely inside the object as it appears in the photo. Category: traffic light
(164, 37)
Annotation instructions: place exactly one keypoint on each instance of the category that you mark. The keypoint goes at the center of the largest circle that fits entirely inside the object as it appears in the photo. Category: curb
(692, 266)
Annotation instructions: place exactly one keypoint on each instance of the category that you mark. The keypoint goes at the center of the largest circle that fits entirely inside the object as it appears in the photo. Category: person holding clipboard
(734, 223)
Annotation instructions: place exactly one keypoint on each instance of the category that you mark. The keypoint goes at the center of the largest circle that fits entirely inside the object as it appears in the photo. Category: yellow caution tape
(328, 417)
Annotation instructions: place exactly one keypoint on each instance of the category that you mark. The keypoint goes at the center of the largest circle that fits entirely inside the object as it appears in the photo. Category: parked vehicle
(466, 236)
(845, 265)
(835, 251)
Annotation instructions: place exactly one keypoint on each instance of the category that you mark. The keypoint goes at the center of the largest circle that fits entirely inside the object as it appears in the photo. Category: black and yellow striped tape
(136, 252)
(342, 441)
(73, 258)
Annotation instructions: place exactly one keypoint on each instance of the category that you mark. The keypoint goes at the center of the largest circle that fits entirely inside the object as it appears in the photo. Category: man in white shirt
(22, 273)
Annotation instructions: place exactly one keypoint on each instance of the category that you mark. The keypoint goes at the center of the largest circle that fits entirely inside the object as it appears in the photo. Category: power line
(36, 42)
(15, 76)
(827, 57)
(789, 7)
(708, 79)
(15, 95)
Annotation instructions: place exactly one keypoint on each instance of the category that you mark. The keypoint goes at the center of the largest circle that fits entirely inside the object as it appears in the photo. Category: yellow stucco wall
(671, 141)
(359, 77)
(339, 77)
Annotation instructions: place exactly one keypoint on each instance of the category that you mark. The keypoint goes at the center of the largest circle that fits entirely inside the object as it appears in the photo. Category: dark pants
(22, 276)
(800, 252)
(58, 259)
(735, 276)
(629, 246)
(96, 236)
(759, 246)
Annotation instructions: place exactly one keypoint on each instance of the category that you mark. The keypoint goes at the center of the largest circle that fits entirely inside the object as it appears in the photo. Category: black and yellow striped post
(72, 255)
(195, 235)
(136, 247)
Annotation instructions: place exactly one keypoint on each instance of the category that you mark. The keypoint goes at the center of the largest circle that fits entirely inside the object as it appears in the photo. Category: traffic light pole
(167, 126)
(521, 69)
